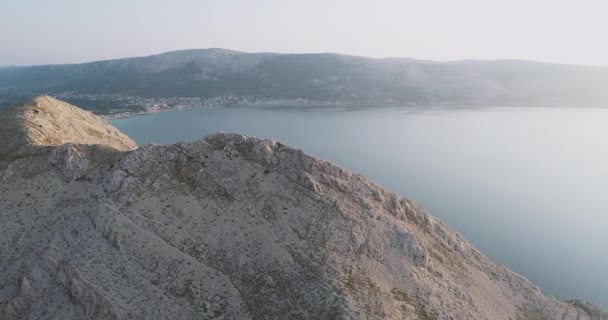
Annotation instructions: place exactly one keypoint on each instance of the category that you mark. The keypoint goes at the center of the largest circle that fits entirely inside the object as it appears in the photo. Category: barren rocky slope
(46, 122)
(228, 227)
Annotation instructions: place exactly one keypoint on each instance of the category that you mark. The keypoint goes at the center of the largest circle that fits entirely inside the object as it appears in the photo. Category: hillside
(229, 227)
(217, 76)
(44, 122)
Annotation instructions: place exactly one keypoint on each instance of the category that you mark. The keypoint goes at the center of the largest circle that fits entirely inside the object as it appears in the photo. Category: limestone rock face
(235, 227)
(45, 121)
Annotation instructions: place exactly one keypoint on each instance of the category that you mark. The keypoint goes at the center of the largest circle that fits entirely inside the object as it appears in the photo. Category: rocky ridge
(47, 122)
(227, 227)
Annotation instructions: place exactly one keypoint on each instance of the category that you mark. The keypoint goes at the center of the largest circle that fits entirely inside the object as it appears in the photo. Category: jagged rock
(235, 227)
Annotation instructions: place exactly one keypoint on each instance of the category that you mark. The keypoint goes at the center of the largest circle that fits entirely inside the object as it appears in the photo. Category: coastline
(126, 114)
(304, 104)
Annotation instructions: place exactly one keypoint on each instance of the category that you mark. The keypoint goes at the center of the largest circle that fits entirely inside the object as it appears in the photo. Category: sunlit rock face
(228, 227)
(45, 122)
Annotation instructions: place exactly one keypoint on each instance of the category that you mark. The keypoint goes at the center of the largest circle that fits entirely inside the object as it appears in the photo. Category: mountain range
(218, 76)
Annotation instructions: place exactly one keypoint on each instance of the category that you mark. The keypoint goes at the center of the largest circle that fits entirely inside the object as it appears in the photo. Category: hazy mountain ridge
(229, 227)
(325, 77)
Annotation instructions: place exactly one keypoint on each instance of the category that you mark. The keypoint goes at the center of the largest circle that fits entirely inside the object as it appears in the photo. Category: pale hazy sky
(66, 31)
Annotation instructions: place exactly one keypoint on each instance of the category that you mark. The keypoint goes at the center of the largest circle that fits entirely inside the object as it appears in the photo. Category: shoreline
(128, 114)
(322, 105)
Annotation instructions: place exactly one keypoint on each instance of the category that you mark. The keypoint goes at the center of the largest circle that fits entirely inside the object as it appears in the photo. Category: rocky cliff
(228, 227)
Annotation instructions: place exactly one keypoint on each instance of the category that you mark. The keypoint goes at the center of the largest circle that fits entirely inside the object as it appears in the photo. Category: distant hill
(324, 77)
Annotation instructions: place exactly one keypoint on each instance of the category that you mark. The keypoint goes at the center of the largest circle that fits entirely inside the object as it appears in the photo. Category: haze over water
(527, 186)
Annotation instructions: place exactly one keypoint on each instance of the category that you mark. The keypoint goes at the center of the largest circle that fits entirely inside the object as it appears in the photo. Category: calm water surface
(528, 186)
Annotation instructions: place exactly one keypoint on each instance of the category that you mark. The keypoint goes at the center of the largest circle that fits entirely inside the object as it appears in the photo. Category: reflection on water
(528, 186)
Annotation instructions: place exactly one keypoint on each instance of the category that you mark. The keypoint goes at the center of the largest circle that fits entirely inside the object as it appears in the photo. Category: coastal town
(117, 106)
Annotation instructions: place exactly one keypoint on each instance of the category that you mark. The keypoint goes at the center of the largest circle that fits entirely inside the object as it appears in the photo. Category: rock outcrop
(46, 122)
(229, 227)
